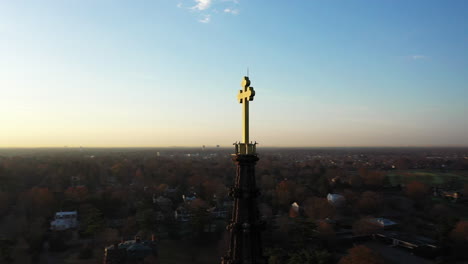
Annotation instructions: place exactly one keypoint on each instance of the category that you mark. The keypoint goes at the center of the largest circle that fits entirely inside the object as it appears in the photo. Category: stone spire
(245, 244)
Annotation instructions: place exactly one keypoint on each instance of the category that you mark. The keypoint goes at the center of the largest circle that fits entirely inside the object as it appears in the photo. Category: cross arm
(248, 94)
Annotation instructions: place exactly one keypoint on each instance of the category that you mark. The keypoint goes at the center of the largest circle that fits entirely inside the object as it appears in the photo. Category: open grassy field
(432, 178)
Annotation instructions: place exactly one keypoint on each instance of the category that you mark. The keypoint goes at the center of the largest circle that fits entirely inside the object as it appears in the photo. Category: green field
(432, 178)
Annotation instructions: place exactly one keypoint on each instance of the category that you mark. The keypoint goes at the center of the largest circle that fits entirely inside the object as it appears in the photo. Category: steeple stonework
(245, 244)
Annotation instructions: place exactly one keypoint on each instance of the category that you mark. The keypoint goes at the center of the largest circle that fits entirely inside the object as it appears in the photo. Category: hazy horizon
(227, 147)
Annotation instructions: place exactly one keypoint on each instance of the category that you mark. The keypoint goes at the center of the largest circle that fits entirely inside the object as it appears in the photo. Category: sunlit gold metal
(244, 96)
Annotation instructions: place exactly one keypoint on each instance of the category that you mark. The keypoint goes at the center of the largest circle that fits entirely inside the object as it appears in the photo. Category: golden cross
(244, 96)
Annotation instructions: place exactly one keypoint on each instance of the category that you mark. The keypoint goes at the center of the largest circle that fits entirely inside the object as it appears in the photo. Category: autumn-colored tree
(460, 232)
(465, 190)
(371, 177)
(41, 196)
(325, 230)
(441, 211)
(318, 208)
(198, 203)
(351, 197)
(283, 224)
(196, 180)
(267, 182)
(374, 178)
(150, 259)
(37, 201)
(370, 202)
(293, 212)
(139, 174)
(221, 191)
(364, 227)
(77, 194)
(355, 181)
(162, 188)
(34, 236)
(284, 192)
(201, 220)
(361, 255)
(402, 164)
(310, 256)
(209, 188)
(223, 242)
(109, 236)
(300, 193)
(363, 172)
(265, 210)
(417, 190)
(200, 216)
(174, 179)
(130, 227)
(459, 236)
(321, 185)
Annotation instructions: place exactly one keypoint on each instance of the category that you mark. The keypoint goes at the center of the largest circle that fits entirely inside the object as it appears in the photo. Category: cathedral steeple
(245, 227)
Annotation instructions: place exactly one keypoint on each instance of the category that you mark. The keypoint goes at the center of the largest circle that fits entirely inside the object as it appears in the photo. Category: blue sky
(166, 72)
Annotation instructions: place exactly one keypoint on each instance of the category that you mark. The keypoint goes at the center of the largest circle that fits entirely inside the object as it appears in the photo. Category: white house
(336, 199)
(64, 221)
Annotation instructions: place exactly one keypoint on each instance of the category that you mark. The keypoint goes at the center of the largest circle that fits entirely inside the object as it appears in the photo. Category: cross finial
(244, 96)
(247, 92)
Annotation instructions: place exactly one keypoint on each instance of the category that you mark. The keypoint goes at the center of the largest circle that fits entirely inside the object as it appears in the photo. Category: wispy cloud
(205, 19)
(205, 10)
(231, 11)
(202, 4)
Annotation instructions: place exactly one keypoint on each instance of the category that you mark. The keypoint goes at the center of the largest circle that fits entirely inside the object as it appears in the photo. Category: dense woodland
(120, 193)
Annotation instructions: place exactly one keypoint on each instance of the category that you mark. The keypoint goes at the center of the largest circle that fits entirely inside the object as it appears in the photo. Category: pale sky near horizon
(166, 73)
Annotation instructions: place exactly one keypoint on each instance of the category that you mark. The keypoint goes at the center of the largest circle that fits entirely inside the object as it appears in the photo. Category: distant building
(447, 194)
(294, 210)
(381, 222)
(182, 214)
(189, 197)
(218, 212)
(163, 203)
(75, 181)
(451, 195)
(64, 221)
(336, 199)
(409, 241)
